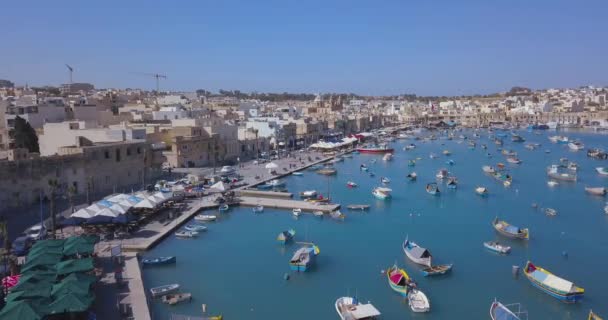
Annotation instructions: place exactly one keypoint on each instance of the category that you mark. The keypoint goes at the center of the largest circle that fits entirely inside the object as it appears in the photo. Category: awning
(19, 310)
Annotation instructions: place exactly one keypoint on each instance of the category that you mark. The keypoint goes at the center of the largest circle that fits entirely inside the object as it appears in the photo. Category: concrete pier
(288, 204)
(264, 194)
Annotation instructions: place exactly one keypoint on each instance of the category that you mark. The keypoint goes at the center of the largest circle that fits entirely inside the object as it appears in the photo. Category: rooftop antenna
(71, 70)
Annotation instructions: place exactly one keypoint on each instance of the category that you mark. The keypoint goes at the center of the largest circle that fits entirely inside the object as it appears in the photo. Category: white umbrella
(218, 187)
(83, 213)
(118, 197)
(108, 213)
(271, 165)
(95, 207)
(119, 208)
(146, 203)
(126, 203)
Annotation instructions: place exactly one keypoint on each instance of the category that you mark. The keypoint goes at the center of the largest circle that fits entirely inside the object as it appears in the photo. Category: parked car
(21, 245)
(227, 170)
(36, 232)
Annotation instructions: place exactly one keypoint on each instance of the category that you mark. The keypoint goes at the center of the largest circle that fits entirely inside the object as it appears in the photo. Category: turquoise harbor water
(237, 267)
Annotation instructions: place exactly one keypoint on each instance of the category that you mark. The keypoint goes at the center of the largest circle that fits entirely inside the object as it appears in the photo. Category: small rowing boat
(382, 193)
(318, 213)
(488, 169)
(417, 253)
(224, 207)
(553, 285)
(186, 234)
(175, 298)
(418, 301)
(297, 173)
(387, 157)
(498, 311)
(158, 261)
(597, 191)
(286, 236)
(304, 257)
(442, 173)
(550, 212)
(482, 191)
(412, 176)
(361, 207)
(337, 215)
(195, 227)
(437, 270)
(308, 194)
(296, 211)
(509, 230)
(258, 209)
(513, 160)
(452, 183)
(432, 189)
(205, 217)
(494, 246)
(351, 184)
(163, 290)
(385, 180)
(593, 316)
(602, 171)
(398, 280)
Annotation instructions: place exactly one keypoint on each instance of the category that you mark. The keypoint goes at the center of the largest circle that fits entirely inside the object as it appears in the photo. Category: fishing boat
(597, 154)
(296, 211)
(349, 308)
(593, 316)
(417, 253)
(452, 183)
(158, 261)
(517, 138)
(186, 234)
(508, 153)
(576, 146)
(513, 160)
(258, 209)
(418, 301)
(351, 184)
(442, 173)
(387, 157)
(308, 194)
(175, 298)
(602, 171)
(432, 188)
(371, 174)
(498, 311)
(399, 280)
(432, 156)
(327, 171)
(410, 146)
(446, 152)
(555, 173)
(411, 163)
(552, 183)
(205, 217)
(383, 149)
(450, 162)
(163, 290)
(276, 183)
(412, 176)
(363, 167)
(437, 270)
(195, 227)
(286, 236)
(553, 285)
(385, 180)
(482, 191)
(224, 207)
(559, 139)
(318, 213)
(337, 214)
(509, 230)
(495, 246)
(382, 193)
(297, 173)
(304, 257)
(361, 207)
(550, 212)
(597, 191)
(488, 169)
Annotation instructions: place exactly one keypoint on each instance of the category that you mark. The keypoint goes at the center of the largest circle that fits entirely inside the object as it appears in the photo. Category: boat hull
(566, 298)
(378, 151)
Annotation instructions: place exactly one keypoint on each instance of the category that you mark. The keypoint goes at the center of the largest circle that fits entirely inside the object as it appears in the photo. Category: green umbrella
(14, 296)
(44, 250)
(70, 303)
(19, 310)
(47, 273)
(32, 281)
(64, 287)
(43, 259)
(81, 239)
(79, 248)
(74, 265)
(49, 243)
(38, 268)
(41, 291)
(81, 277)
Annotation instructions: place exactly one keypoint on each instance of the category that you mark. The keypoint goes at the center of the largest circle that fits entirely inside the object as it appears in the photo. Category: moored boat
(286, 236)
(597, 191)
(349, 308)
(327, 171)
(495, 246)
(442, 174)
(418, 301)
(276, 183)
(308, 194)
(337, 214)
(432, 188)
(224, 207)
(205, 217)
(351, 184)
(555, 173)
(513, 160)
(195, 227)
(602, 171)
(304, 257)
(158, 261)
(412, 176)
(482, 191)
(576, 146)
(398, 280)
(417, 253)
(446, 152)
(593, 316)
(553, 285)
(175, 298)
(488, 169)
(437, 270)
(258, 209)
(318, 213)
(383, 148)
(411, 163)
(358, 207)
(382, 193)
(163, 290)
(550, 212)
(186, 234)
(385, 180)
(297, 173)
(498, 311)
(387, 157)
(296, 211)
(452, 182)
(509, 230)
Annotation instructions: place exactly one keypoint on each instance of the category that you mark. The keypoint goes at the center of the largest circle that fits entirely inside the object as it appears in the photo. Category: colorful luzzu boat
(553, 285)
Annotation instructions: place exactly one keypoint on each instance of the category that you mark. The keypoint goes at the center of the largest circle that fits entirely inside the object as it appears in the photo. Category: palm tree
(53, 185)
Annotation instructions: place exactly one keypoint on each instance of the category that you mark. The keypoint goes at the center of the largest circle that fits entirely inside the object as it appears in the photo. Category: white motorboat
(602, 171)
(276, 183)
(349, 308)
(576, 146)
(296, 212)
(163, 290)
(318, 213)
(382, 193)
(387, 157)
(418, 301)
(308, 194)
(385, 180)
(258, 209)
(552, 183)
(205, 217)
(195, 227)
(186, 234)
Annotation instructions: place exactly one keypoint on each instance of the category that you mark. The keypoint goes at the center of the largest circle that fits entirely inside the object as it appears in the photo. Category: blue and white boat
(158, 261)
(195, 227)
(286, 236)
(553, 285)
(494, 246)
(304, 257)
(382, 193)
(499, 311)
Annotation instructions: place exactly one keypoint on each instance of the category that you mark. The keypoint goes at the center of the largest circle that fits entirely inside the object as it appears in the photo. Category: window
(107, 154)
(107, 179)
(138, 150)
(128, 151)
(117, 154)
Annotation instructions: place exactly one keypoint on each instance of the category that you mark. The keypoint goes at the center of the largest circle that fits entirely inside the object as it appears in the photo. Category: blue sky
(367, 47)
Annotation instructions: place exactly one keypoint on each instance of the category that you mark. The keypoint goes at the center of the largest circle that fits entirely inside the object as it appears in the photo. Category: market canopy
(74, 265)
(40, 250)
(145, 204)
(39, 292)
(124, 218)
(80, 277)
(32, 281)
(70, 303)
(218, 187)
(271, 165)
(84, 213)
(48, 243)
(19, 310)
(70, 286)
(120, 208)
(107, 212)
(44, 258)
